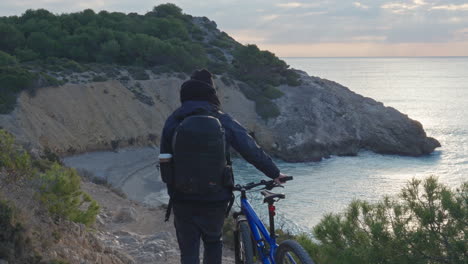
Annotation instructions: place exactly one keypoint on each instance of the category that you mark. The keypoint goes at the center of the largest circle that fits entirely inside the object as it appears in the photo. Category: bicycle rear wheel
(244, 248)
(291, 252)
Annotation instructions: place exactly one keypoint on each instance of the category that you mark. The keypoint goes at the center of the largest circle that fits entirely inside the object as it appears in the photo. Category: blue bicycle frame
(257, 227)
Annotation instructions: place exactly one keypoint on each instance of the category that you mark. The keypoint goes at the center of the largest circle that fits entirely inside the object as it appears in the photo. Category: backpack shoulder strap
(218, 115)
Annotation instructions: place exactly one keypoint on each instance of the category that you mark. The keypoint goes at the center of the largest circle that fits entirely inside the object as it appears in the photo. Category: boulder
(126, 215)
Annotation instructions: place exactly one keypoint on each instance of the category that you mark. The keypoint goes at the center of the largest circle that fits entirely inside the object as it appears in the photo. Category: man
(202, 215)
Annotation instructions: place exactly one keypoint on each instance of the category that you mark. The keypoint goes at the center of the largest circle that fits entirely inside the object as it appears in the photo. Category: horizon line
(367, 57)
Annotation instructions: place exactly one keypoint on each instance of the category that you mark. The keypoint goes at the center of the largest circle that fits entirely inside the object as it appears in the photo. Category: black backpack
(201, 160)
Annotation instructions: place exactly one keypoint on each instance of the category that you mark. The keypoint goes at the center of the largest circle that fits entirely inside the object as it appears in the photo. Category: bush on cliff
(60, 191)
(6, 59)
(15, 163)
(428, 225)
(14, 79)
(58, 187)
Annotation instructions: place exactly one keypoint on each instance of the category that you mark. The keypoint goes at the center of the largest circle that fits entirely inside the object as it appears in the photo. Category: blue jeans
(199, 220)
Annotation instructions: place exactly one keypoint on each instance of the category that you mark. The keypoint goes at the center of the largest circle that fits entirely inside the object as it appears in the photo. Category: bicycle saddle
(270, 197)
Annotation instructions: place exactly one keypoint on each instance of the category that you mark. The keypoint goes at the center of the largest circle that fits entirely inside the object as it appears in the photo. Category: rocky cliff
(317, 119)
(322, 118)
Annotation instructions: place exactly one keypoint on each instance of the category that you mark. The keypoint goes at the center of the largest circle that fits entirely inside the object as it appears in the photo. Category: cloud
(290, 5)
(400, 8)
(296, 5)
(419, 2)
(269, 17)
(360, 5)
(461, 7)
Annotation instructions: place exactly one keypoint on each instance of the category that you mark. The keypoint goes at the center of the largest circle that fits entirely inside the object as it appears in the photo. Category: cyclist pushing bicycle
(196, 166)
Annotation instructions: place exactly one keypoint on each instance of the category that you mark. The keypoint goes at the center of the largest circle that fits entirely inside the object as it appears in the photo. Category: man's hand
(278, 179)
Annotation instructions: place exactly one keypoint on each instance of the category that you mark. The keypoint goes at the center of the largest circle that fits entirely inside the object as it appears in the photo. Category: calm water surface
(433, 91)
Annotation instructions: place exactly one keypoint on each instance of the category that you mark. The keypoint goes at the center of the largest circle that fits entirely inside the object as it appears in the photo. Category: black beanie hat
(200, 87)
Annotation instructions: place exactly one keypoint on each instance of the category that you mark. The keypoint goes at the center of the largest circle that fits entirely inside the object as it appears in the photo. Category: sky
(318, 28)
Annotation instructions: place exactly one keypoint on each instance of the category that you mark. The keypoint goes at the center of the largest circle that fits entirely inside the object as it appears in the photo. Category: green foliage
(160, 37)
(61, 193)
(11, 37)
(13, 80)
(99, 78)
(42, 44)
(6, 59)
(164, 39)
(428, 225)
(259, 68)
(271, 92)
(26, 54)
(15, 162)
(263, 71)
(263, 105)
(167, 10)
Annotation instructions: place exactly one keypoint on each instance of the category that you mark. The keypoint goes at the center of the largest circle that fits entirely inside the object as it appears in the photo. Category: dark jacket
(236, 136)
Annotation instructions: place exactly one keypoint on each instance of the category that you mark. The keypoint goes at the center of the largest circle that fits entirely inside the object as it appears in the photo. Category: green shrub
(427, 225)
(221, 43)
(99, 78)
(73, 66)
(13, 80)
(25, 54)
(60, 192)
(15, 162)
(6, 59)
(271, 92)
(266, 109)
(48, 80)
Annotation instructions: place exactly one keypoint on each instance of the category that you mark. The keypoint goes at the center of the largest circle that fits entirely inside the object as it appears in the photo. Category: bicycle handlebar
(268, 184)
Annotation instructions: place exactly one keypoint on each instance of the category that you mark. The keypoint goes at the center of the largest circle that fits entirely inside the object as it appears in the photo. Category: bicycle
(250, 230)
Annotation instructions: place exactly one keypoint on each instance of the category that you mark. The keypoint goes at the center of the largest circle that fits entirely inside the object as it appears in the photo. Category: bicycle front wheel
(244, 246)
(291, 252)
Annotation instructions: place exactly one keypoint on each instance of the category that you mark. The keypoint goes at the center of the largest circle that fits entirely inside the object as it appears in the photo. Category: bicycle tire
(244, 248)
(292, 249)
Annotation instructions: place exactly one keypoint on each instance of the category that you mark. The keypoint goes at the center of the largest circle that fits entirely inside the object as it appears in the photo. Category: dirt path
(136, 229)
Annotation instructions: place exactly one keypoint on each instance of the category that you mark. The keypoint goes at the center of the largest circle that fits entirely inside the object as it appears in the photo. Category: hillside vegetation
(57, 188)
(426, 225)
(38, 44)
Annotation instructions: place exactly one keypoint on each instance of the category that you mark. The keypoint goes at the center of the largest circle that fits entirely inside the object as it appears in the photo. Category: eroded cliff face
(318, 119)
(76, 118)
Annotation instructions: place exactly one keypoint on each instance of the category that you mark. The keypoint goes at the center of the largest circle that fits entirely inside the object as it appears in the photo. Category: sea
(432, 90)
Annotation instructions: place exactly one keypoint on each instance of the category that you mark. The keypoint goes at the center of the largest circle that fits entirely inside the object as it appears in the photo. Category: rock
(322, 118)
(126, 215)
